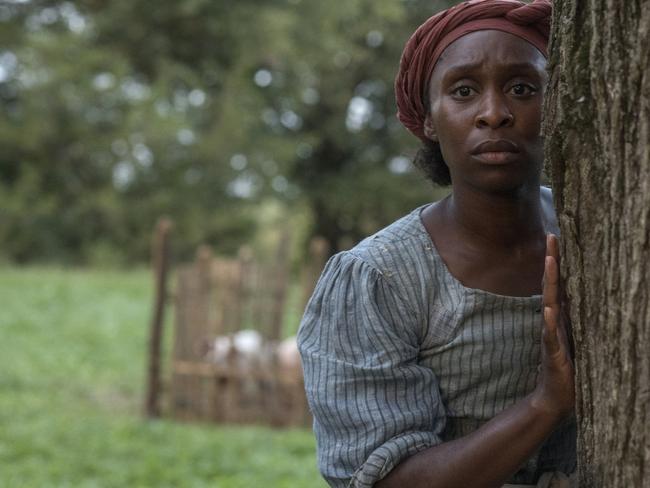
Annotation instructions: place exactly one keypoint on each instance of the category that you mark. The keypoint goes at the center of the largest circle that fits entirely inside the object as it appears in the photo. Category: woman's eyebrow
(459, 70)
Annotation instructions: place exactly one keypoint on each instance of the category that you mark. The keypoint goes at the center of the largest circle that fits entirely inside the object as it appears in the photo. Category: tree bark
(598, 150)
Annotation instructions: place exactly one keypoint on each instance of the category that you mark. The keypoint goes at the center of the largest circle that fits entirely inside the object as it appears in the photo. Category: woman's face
(485, 97)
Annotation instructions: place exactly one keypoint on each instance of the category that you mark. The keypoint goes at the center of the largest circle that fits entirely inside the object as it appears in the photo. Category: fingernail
(547, 313)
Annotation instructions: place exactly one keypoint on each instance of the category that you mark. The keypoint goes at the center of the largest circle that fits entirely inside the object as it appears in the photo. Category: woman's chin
(504, 181)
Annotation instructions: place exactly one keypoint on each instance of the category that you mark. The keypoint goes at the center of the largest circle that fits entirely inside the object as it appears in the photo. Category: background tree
(598, 147)
(113, 113)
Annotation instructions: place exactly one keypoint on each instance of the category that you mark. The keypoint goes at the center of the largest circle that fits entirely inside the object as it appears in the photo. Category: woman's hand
(554, 394)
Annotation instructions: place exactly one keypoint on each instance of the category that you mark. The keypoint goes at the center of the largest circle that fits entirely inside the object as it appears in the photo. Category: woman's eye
(521, 89)
(463, 91)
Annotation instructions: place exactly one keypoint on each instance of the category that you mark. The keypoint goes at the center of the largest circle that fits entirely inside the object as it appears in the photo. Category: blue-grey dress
(399, 356)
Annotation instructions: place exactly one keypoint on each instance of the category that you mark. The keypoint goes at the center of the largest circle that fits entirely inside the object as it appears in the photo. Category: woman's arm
(359, 340)
(489, 456)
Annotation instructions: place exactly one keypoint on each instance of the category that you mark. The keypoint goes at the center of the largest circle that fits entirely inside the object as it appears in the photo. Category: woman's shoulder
(399, 259)
(395, 249)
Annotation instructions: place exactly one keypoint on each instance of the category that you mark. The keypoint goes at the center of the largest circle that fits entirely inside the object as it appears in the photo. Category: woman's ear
(429, 129)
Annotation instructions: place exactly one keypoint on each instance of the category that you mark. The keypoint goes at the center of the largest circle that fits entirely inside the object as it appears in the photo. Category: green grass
(72, 362)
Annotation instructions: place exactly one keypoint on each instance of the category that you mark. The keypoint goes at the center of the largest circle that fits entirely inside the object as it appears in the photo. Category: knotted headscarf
(528, 21)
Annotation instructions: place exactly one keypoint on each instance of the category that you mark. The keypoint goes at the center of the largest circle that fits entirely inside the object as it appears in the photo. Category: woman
(432, 355)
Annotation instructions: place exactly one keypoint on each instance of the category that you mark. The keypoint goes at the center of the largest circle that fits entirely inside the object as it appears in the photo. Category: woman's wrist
(544, 408)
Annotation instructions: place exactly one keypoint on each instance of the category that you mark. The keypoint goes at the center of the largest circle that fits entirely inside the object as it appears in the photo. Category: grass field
(72, 361)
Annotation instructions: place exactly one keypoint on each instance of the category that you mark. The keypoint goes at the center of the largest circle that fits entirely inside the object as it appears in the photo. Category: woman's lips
(499, 151)
(497, 157)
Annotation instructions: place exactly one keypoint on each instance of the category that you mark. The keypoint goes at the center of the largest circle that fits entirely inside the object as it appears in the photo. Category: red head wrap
(528, 21)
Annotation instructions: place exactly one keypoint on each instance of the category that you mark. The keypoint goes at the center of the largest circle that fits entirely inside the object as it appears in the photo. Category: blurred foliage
(114, 113)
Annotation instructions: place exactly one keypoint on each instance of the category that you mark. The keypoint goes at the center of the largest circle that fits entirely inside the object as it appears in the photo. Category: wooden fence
(216, 298)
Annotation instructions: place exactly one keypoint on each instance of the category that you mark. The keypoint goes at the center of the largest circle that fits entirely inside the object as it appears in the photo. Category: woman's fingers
(552, 246)
(555, 383)
(551, 297)
(553, 249)
(551, 292)
(550, 335)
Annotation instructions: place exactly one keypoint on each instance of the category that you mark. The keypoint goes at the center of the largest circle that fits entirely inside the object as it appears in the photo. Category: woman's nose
(494, 112)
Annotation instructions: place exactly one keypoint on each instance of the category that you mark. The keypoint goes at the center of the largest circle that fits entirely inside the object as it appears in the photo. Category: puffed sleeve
(373, 404)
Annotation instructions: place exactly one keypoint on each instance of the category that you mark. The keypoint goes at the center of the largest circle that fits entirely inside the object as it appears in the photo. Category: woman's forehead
(489, 47)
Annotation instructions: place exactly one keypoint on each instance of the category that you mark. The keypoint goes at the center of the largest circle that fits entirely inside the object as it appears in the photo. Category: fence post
(244, 297)
(160, 263)
(280, 286)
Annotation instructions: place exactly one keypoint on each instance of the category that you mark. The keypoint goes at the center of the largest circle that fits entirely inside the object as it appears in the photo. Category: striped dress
(399, 356)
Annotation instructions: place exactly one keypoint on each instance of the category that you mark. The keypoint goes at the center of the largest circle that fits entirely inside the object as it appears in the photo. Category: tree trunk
(598, 149)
